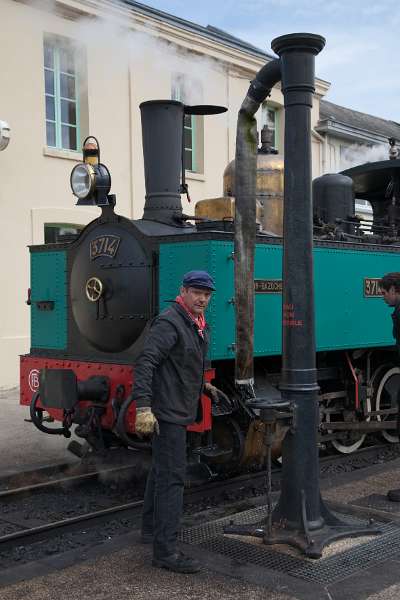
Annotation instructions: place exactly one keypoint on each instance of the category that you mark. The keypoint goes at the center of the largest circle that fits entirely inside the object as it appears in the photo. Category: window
(190, 134)
(269, 116)
(61, 232)
(363, 207)
(193, 125)
(61, 93)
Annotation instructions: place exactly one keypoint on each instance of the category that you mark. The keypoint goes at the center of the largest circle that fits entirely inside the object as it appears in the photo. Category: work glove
(216, 395)
(146, 423)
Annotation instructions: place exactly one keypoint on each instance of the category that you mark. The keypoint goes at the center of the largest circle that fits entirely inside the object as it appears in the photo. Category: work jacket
(396, 326)
(169, 373)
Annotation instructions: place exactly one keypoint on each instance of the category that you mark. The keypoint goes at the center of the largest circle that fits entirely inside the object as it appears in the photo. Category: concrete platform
(127, 574)
(22, 446)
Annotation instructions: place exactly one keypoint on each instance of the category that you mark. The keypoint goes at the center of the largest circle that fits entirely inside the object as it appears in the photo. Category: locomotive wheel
(354, 440)
(228, 435)
(386, 397)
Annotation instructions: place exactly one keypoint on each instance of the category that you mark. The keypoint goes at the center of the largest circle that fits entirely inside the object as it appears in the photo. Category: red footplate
(118, 375)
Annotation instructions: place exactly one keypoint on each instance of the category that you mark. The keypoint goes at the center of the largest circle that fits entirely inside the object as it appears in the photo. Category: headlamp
(83, 180)
(91, 180)
(4, 135)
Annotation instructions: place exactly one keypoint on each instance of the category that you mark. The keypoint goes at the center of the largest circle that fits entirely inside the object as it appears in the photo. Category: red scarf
(200, 321)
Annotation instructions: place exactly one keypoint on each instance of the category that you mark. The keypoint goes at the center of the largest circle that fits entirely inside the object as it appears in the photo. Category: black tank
(333, 198)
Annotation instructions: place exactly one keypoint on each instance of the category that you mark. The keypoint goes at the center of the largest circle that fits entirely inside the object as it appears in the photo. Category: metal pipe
(245, 221)
(120, 428)
(300, 477)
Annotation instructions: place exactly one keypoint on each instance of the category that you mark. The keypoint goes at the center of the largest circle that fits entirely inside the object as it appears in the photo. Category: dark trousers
(398, 412)
(163, 498)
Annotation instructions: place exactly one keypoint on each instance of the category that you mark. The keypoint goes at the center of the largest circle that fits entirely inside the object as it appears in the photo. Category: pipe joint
(260, 88)
(309, 43)
(303, 380)
(298, 94)
(296, 98)
(297, 388)
(249, 108)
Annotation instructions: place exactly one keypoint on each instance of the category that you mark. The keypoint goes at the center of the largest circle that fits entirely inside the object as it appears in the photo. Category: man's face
(196, 299)
(390, 296)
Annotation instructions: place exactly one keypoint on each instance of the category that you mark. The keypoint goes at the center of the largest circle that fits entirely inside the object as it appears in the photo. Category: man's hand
(146, 423)
(216, 395)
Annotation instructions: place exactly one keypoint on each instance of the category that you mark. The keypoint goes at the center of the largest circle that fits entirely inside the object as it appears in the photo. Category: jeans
(163, 498)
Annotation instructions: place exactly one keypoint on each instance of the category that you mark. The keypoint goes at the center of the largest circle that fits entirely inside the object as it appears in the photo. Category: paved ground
(123, 574)
(376, 483)
(127, 574)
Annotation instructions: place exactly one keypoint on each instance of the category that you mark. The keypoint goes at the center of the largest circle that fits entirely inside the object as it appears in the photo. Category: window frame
(264, 120)
(177, 93)
(192, 150)
(58, 44)
(61, 225)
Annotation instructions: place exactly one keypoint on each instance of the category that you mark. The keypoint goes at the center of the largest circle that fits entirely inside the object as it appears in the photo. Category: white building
(83, 68)
(351, 138)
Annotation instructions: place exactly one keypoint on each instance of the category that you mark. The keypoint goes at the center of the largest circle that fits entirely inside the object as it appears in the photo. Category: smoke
(357, 155)
(122, 466)
(113, 42)
(164, 57)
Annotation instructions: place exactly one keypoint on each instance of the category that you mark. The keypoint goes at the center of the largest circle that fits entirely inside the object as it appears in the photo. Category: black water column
(300, 475)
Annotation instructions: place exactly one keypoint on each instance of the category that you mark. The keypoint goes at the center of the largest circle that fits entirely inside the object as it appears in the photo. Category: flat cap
(198, 279)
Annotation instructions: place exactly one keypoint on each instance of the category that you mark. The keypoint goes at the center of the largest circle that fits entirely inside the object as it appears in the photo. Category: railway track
(63, 479)
(29, 531)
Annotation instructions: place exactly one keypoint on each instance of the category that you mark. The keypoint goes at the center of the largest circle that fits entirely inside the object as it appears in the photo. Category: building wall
(126, 58)
(343, 153)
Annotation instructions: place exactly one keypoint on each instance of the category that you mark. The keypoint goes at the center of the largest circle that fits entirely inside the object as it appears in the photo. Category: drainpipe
(322, 140)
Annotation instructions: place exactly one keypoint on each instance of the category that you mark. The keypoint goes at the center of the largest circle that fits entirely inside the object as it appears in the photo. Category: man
(390, 286)
(169, 381)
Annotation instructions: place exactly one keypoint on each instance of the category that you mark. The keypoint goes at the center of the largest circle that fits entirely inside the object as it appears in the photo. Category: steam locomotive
(92, 300)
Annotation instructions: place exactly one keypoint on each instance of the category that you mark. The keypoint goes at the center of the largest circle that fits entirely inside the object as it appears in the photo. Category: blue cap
(198, 279)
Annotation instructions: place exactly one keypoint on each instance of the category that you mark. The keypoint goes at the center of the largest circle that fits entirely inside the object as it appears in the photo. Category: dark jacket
(168, 374)
(396, 326)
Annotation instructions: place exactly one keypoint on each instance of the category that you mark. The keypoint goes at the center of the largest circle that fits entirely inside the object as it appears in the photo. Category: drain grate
(356, 559)
(378, 502)
(260, 555)
(324, 571)
(200, 533)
